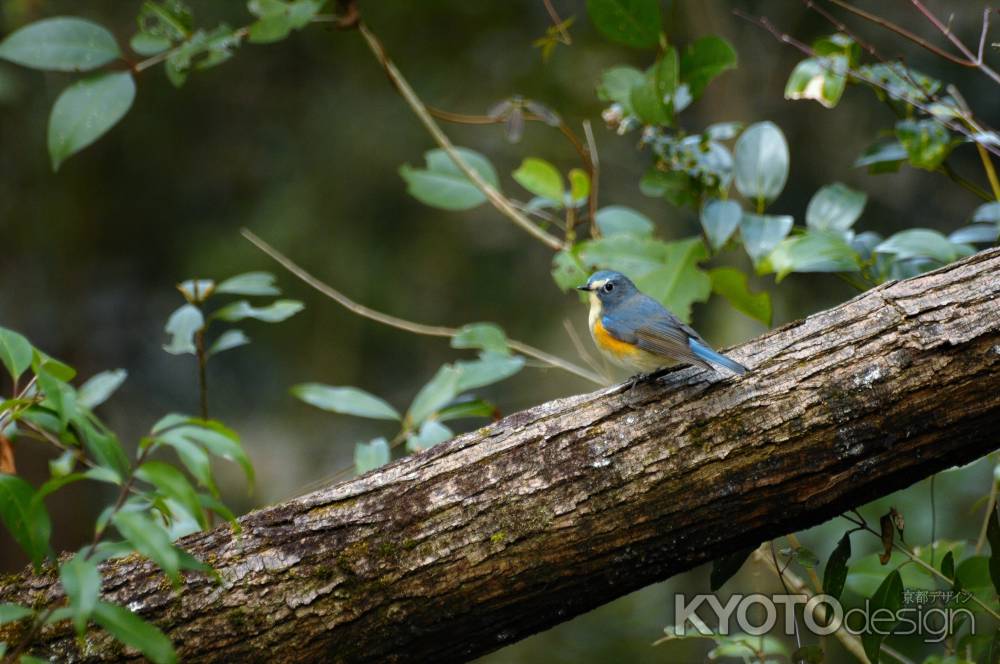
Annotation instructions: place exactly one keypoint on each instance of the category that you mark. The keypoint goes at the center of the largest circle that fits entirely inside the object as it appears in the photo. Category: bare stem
(402, 324)
(498, 200)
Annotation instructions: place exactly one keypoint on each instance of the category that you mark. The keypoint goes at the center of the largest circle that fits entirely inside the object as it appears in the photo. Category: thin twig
(409, 326)
(498, 200)
(557, 23)
(595, 172)
(990, 506)
(581, 350)
(946, 31)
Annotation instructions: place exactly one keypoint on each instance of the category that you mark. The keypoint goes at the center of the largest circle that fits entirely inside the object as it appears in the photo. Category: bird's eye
(608, 287)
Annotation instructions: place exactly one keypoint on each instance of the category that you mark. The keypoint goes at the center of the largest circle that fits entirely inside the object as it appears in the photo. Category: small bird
(635, 331)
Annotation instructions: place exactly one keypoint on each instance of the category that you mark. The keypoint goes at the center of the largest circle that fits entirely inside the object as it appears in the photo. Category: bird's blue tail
(706, 353)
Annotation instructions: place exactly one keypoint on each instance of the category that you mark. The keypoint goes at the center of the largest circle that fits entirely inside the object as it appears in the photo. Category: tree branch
(553, 511)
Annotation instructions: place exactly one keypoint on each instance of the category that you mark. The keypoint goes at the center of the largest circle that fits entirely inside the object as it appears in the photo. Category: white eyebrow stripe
(599, 283)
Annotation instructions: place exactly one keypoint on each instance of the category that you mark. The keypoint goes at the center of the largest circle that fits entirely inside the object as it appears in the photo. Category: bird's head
(609, 287)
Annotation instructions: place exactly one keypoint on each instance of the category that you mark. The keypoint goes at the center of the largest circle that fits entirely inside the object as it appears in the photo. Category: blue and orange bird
(635, 331)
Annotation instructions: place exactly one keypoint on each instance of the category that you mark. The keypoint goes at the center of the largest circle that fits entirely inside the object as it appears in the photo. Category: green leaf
(202, 50)
(439, 390)
(835, 208)
(150, 539)
(835, 573)
(59, 396)
(278, 19)
(217, 440)
(808, 655)
(927, 142)
(916, 242)
(172, 483)
(540, 178)
(369, 456)
(82, 583)
(182, 326)
(732, 284)
(63, 43)
(346, 400)
(275, 312)
(42, 362)
(621, 220)
(616, 86)
(579, 186)
(488, 369)
(484, 336)
(86, 110)
(568, 271)
(15, 352)
(719, 219)
(464, 409)
(900, 82)
(171, 19)
(987, 213)
(882, 157)
(725, 567)
(443, 185)
(12, 612)
(250, 283)
(975, 233)
(647, 103)
(132, 630)
(431, 433)
(760, 161)
(948, 565)
(821, 79)
(704, 60)
(100, 387)
(813, 251)
(888, 596)
(227, 341)
(103, 447)
(761, 233)
(53, 484)
(993, 536)
(666, 77)
(194, 458)
(146, 44)
(633, 23)
(26, 520)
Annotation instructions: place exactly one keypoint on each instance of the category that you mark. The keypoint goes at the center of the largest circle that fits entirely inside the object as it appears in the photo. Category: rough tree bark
(553, 511)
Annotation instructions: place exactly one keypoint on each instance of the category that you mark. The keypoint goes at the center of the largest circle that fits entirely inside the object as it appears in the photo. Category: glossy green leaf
(488, 369)
(993, 536)
(60, 370)
(484, 336)
(64, 43)
(835, 208)
(431, 433)
(132, 630)
(882, 157)
(464, 409)
(889, 595)
(217, 440)
(202, 50)
(762, 233)
(15, 352)
(733, 285)
(725, 567)
(633, 23)
(916, 242)
(100, 387)
(26, 520)
(760, 161)
(182, 325)
(250, 283)
(896, 81)
(568, 271)
(82, 583)
(278, 19)
(227, 341)
(194, 458)
(835, 572)
(813, 251)
(86, 110)
(275, 312)
(820, 79)
(579, 186)
(705, 59)
(60, 397)
(616, 86)
(621, 220)
(173, 484)
(927, 142)
(369, 456)
(12, 612)
(719, 220)
(150, 539)
(103, 447)
(345, 400)
(171, 19)
(443, 185)
(146, 44)
(666, 76)
(647, 103)
(987, 213)
(975, 234)
(540, 178)
(442, 388)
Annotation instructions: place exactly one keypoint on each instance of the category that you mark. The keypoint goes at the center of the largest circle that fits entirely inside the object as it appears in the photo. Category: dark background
(301, 142)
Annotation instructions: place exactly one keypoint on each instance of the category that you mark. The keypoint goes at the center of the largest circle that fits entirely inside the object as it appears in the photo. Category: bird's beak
(585, 287)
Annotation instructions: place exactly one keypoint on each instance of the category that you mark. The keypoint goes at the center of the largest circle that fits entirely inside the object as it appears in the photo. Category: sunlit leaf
(64, 43)
(927, 142)
(346, 400)
(250, 283)
(579, 186)
(761, 162)
(484, 336)
(442, 184)
(441, 389)
(182, 325)
(86, 110)
(762, 233)
(227, 341)
(567, 270)
(835, 208)
(277, 19)
(923, 242)
(540, 178)
(275, 312)
(732, 284)
(100, 387)
(616, 85)
(173, 484)
(719, 220)
(431, 433)
(621, 220)
(813, 251)
(15, 352)
(369, 456)
(488, 369)
(987, 213)
(821, 79)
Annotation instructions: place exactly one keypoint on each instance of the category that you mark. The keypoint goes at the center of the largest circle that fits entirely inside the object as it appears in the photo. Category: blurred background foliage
(302, 141)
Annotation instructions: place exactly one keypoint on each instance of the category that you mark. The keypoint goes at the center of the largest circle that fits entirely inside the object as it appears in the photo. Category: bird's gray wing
(660, 332)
